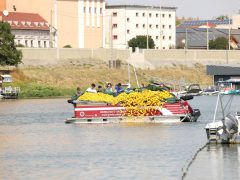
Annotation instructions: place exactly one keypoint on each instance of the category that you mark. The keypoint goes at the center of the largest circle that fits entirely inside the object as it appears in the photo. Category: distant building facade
(78, 23)
(30, 30)
(124, 22)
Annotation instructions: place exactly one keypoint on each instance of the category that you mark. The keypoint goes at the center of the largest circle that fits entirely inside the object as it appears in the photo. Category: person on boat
(109, 89)
(119, 89)
(77, 94)
(100, 89)
(92, 89)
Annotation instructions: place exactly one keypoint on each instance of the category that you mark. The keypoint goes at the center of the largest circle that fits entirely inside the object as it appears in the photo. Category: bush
(67, 46)
(38, 91)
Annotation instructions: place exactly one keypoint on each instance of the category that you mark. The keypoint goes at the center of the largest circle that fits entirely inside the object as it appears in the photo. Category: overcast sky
(204, 9)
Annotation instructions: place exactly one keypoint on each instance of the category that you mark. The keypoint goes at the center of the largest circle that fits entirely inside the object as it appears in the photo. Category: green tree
(222, 17)
(9, 55)
(219, 43)
(141, 42)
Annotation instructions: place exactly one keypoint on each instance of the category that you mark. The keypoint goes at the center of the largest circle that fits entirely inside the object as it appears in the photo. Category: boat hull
(104, 113)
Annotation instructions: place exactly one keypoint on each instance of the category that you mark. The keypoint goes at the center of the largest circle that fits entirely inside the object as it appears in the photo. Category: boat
(194, 90)
(10, 92)
(210, 91)
(100, 112)
(230, 86)
(226, 129)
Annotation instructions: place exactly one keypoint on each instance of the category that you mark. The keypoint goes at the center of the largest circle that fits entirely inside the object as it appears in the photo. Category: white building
(124, 22)
(30, 30)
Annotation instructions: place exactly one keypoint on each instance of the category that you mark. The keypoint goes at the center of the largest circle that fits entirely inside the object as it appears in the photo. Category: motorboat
(194, 90)
(226, 129)
(209, 91)
(100, 112)
(230, 86)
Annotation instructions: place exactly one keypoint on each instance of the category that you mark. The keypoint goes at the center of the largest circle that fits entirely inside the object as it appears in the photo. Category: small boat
(97, 112)
(194, 90)
(226, 129)
(210, 91)
(230, 86)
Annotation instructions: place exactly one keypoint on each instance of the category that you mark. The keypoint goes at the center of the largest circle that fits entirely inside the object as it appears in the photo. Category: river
(35, 143)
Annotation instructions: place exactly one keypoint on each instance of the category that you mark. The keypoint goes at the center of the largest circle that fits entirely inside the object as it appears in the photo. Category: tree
(219, 43)
(9, 55)
(141, 42)
(222, 17)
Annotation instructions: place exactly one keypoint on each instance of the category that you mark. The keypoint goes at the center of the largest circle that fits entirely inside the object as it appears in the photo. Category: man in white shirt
(92, 89)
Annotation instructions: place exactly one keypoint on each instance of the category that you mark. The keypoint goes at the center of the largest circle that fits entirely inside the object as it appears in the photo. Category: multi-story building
(78, 23)
(30, 30)
(124, 22)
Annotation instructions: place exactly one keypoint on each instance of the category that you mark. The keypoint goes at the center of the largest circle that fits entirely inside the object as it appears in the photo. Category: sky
(202, 9)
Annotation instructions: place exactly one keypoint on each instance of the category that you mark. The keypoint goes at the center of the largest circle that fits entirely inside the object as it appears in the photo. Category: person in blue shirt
(119, 89)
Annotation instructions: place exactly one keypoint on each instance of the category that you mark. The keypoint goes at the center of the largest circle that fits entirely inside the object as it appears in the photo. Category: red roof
(28, 21)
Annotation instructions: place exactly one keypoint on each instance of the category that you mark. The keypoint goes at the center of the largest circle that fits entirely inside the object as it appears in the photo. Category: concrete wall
(189, 57)
(40, 56)
(157, 58)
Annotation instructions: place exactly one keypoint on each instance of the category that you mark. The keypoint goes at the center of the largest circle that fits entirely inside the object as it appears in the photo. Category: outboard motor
(230, 127)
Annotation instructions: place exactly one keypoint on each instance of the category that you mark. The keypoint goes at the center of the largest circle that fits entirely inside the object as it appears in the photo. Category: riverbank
(62, 80)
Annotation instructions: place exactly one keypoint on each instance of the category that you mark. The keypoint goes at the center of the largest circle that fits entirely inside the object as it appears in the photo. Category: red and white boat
(90, 112)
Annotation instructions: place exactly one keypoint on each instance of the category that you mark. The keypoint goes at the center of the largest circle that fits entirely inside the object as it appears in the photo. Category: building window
(157, 26)
(26, 43)
(19, 42)
(144, 26)
(169, 15)
(128, 19)
(128, 31)
(143, 14)
(114, 14)
(136, 25)
(164, 48)
(95, 10)
(150, 26)
(39, 44)
(89, 10)
(156, 37)
(31, 43)
(170, 37)
(84, 9)
(150, 14)
(136, 14)
(170, 26)
(156, 15)
(163, 26)
(100, 10)
(115, 25)
(163, 37)
(163, 15)
(115, 37)
(45, 44)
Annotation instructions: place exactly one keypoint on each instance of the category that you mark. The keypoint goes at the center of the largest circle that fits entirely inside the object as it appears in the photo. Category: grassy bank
(62, 80)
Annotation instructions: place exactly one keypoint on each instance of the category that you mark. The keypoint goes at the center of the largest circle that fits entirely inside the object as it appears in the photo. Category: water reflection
(216, 162)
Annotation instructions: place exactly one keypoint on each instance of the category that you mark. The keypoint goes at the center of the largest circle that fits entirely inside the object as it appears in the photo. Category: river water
(35, 143)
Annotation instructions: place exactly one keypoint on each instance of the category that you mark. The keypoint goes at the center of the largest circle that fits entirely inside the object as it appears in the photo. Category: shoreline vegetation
(62, 80)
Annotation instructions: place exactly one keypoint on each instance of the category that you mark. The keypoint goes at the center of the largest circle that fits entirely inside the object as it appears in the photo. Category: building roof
(139, 7)
(223, 69)
(197, 23)
(197, 37)
(26, 21)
